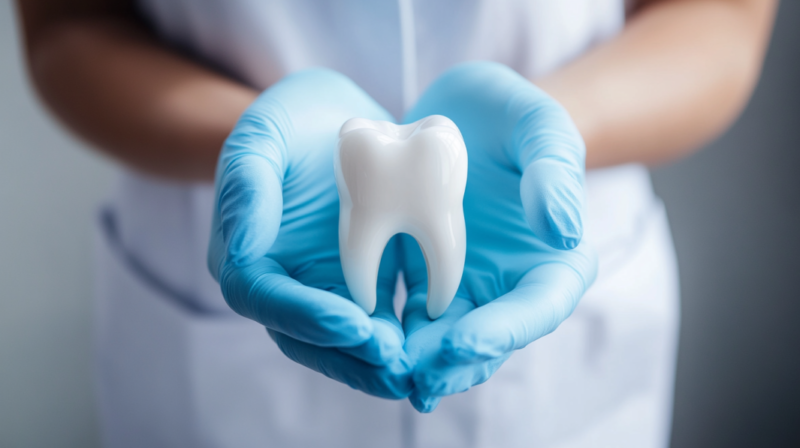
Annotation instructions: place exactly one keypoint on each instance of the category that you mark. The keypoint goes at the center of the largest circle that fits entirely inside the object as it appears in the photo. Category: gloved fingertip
(439, 381)
(379, 352)
(402, 365)
(563, 226)
(351, 333)
(424, 405)
(560, 227)
(403, 384)
(569, 243)
(394, 381)
(553, 202)
(561, 242)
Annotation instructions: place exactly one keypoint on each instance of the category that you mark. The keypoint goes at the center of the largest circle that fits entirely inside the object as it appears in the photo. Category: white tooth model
(402, 179)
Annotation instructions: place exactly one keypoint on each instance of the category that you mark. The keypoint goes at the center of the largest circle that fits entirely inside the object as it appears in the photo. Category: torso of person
(176, 367)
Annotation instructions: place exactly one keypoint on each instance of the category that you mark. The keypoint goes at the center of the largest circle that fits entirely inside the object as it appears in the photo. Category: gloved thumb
(249, 187)
(550, 153)
(552, 198)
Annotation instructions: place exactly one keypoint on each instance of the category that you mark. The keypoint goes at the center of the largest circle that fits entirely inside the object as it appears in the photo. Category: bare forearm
(119, 89)
(678, 75)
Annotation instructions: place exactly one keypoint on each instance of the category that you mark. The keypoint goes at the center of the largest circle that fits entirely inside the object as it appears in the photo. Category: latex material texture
(274, 247)
(402, 178)
(526, 268)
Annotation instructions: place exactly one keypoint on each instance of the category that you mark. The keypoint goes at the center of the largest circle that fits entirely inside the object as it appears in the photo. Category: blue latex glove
(274, 245)
(525, 268)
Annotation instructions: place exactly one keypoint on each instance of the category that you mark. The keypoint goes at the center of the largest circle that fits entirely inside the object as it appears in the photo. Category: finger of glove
(250, 197)
(386, 343)
(264, 292)
(392, 381)
(423, 403)
(542, 299)
(249, 180)
(388, 336)
(438, 378)
(383, 348)
(549, 151)
(424, 343)
(249, 191)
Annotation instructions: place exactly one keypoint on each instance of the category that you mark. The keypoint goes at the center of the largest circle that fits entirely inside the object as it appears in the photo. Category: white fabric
(177, 368)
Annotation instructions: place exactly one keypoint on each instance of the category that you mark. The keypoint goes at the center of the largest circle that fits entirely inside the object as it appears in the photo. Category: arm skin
(675, 77)
(113, 83)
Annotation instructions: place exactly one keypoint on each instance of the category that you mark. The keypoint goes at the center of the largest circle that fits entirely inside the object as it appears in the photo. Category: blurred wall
(734, 208)
(49, 187)
(735, 214)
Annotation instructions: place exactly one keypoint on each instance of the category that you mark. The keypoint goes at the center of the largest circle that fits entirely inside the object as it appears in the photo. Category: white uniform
(177, 368)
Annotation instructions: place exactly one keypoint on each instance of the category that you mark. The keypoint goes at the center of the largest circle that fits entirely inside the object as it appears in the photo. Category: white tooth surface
(402, 179)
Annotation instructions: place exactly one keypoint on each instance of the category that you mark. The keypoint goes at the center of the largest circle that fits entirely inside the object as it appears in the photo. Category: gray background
(735, 214)
(734, 209)
(49, 188)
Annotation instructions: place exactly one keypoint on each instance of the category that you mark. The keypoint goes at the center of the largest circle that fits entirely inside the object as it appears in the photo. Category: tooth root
(443, 245)
(361, 247)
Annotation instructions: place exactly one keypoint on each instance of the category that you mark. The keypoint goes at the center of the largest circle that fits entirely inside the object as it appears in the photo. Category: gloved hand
(274, 245)
(525, 268)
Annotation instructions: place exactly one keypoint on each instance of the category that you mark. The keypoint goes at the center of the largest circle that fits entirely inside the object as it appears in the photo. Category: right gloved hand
(274, 244)
(525, 268)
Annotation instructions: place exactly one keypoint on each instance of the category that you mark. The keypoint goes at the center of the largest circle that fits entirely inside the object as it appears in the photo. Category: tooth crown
(402, 179)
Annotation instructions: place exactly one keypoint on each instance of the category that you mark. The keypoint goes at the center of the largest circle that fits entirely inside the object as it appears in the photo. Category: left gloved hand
(525, 268)
(274, 246)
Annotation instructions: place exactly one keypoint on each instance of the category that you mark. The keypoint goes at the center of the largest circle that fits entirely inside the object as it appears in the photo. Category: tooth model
(402, 179)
